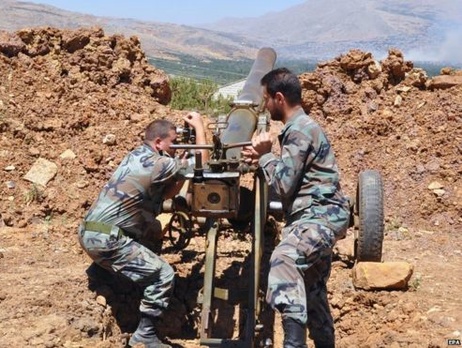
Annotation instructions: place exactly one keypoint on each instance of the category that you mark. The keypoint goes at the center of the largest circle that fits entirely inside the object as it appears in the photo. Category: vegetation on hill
(223, 72)
(191, 94)
(220, 71)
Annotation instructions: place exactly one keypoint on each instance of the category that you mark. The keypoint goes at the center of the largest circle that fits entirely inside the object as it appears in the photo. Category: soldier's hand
(262, 143)
(195, 120)
(250, 155)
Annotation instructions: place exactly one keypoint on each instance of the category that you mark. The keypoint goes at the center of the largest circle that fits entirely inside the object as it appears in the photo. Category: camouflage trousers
(127, 257)
(299, 269)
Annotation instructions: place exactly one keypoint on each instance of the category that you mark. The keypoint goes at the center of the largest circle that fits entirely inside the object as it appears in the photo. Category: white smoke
(451, 48)
(448, 49)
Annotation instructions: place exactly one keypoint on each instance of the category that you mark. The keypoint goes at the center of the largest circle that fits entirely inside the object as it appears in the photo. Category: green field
(224, 72)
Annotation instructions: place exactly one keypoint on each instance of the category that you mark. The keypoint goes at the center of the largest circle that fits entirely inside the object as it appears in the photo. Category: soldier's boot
(324, 345)
(146, 334)
(324, 340)
(294, 333)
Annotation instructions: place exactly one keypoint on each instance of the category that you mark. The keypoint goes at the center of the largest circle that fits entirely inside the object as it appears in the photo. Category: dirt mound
(76, 101)
(71, 90)
(391, 117)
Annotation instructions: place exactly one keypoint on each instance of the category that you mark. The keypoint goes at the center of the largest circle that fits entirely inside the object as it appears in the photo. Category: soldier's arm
(195, 120)
(285, 174)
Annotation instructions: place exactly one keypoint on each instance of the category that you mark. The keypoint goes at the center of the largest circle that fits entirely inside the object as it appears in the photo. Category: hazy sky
(173, 11)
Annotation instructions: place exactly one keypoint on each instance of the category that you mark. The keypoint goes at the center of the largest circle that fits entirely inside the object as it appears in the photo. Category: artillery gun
(217, 194)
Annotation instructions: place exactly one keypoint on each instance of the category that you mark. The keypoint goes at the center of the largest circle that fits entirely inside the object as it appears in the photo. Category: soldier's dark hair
(285, 81)
(158, 129)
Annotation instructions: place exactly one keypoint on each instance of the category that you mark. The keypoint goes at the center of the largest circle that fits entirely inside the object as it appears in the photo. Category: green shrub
(190, 94)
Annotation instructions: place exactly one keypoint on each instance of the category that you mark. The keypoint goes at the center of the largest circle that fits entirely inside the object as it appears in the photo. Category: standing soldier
(306, 178)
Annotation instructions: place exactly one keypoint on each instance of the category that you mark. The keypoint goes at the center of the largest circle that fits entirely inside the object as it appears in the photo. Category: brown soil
(67, 90)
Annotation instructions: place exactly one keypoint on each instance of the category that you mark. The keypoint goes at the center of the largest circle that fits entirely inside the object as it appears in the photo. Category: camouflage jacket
(133, 197)
(306, 176)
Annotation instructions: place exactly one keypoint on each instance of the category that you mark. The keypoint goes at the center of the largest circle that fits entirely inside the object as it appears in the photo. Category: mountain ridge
(163, 40)
(319, 29)
(375, 25)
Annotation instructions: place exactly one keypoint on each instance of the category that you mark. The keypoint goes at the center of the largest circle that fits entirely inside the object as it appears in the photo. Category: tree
(198, 95)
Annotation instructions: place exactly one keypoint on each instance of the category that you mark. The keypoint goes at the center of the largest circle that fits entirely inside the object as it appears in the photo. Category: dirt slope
(80, 90)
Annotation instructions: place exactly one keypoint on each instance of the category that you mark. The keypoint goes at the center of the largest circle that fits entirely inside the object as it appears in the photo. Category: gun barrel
(191, 147)
(242, 121)
(252, 90)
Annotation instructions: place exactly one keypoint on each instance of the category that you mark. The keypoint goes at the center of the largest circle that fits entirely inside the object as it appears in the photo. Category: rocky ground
(74, 102)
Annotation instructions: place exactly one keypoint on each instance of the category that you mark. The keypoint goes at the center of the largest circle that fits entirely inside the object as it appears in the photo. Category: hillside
(161, 40)
(320, 28)
(315, 29)
(75, 101)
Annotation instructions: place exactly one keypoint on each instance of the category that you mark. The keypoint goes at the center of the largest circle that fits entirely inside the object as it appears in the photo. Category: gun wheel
(180, 230)
(368, 212)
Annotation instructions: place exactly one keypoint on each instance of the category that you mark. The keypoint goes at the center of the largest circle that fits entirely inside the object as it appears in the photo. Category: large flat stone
(41, 172)
(382, 276)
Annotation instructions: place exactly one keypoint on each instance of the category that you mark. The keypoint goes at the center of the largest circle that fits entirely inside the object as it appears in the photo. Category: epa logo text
(454, 342)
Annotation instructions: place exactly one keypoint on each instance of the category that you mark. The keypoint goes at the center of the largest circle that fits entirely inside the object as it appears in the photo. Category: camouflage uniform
(307, 180)
(130, 202)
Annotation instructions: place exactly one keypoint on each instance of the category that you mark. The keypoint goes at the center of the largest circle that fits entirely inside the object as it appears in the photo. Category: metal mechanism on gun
(186, 134)
(216, 194)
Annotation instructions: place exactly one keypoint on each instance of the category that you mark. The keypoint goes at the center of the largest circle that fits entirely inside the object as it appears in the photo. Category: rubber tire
(369, 201)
